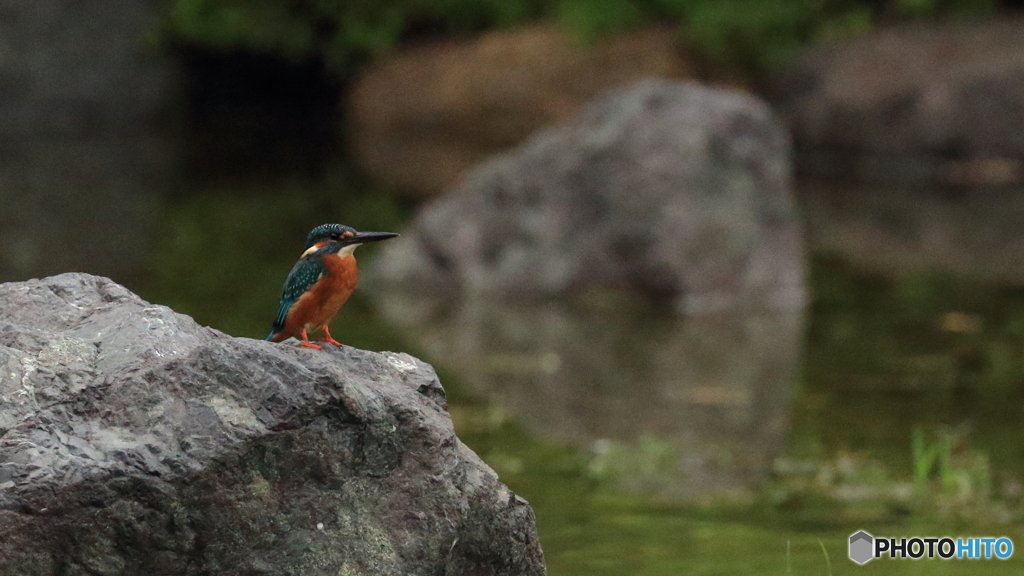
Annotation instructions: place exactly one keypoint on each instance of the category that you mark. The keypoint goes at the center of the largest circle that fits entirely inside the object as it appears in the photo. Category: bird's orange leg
(327, 338)
(305, 342)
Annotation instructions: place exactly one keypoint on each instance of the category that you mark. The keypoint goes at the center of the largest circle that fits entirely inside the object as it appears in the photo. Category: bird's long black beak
(365, 237)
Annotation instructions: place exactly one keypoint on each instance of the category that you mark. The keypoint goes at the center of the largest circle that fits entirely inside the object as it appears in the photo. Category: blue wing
(304, 274)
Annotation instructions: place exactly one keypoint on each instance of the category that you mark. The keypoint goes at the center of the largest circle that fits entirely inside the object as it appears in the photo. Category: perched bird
(320, 282)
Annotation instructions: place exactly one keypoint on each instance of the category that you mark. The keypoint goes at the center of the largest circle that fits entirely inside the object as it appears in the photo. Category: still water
(653, 445)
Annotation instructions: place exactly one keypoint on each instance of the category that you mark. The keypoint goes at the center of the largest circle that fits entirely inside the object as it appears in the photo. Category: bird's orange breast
(314, 309)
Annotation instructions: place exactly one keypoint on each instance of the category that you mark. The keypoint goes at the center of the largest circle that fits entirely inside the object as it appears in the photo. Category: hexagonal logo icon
(861, 547)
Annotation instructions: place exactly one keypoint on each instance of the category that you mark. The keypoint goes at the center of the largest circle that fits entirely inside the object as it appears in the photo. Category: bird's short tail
(270, 337)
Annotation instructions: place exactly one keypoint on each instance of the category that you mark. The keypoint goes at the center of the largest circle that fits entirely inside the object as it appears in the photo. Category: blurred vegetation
(755, 35)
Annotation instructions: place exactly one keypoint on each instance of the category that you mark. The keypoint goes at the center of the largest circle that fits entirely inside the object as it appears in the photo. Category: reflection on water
(683, 406)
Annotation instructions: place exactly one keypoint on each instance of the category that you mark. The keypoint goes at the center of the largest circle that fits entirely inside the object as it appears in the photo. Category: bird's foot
(327, 338)
(306, 343)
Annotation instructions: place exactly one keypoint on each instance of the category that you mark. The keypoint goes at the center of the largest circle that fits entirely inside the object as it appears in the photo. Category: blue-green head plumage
(329, 232)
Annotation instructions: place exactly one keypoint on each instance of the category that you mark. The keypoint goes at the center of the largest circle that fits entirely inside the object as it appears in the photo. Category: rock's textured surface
(912, 105)
(425, 116)
(672, 188)
(135, 442)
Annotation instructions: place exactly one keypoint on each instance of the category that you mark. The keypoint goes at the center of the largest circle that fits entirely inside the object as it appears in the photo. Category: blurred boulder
(133, 441)
(82, 146)
(422, 118)
(673, 189)
(922, 104)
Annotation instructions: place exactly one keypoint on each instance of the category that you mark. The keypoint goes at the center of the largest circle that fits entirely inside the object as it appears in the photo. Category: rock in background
(133, 441)
(926, 104)
(81, 146)
(426, 115)
(670, 188)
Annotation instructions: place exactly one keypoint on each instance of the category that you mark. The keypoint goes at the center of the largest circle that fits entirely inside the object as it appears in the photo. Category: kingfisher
(320, 282)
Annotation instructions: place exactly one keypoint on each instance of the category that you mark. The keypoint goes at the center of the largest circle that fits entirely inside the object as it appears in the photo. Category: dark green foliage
(588, 18)
(340, 32)
(755, 35)
(752, 34)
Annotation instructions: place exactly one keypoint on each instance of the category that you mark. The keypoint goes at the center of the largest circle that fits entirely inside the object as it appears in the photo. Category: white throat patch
(344, 252)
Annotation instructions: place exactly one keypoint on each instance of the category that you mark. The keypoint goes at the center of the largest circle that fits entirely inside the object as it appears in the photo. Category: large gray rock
(669, 188)
(135, 442)
(921, 104)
